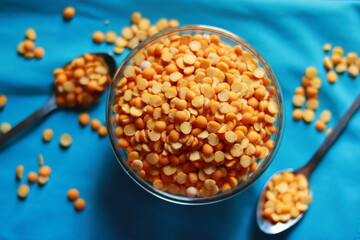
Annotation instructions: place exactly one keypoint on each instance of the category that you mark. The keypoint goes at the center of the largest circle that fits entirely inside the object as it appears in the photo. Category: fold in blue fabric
(288, 34)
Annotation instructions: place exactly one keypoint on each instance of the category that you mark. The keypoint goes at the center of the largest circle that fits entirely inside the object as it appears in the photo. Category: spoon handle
(44, 110)
(309, 167)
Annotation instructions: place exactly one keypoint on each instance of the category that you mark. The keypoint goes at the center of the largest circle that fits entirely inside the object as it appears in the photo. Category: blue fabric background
(289, 35)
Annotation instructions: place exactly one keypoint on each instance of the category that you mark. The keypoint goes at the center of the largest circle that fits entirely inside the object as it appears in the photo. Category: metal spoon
(51, 103)
(306, 170)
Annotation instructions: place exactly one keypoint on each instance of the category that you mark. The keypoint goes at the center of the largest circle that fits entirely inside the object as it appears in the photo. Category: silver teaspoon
(271, 228)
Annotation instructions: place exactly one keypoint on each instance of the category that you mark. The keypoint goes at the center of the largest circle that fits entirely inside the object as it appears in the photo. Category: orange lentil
(328, 131)
(73, 194)
(32, 177)
(39, 52)
(19, 172)
(253, 136)
(331, 76)
(65, 140)
(136, 17)
(84, 119)
(29, 55)
(44, 171)
(69, 13)
(297, 114)
(30, 34)
(98, 37)
(311, 72)
(48, 135)
(79, 204)
(102, 131)
(148, 73)
(207, 149)
(328, 64)
(123, 143)
(174, 136)
(23, 191)
(29, 45)
(95, 124)
(3, 101)
(327, 47)
(180, 116)
(299, 91)
(320, 125)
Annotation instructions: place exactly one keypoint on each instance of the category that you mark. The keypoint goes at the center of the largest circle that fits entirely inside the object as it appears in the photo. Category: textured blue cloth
(289, 35)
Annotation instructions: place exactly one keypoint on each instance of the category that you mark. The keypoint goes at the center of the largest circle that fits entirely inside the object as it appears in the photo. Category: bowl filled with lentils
(194, 115)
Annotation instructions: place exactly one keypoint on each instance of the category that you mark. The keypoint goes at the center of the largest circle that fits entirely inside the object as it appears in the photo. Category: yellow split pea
(195, 115)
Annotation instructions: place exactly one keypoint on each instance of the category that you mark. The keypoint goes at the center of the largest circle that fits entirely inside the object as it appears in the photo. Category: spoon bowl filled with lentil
(194, 115)
(77, 85)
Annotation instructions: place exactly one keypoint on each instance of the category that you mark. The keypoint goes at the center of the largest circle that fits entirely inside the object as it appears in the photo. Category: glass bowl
(171, 190)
